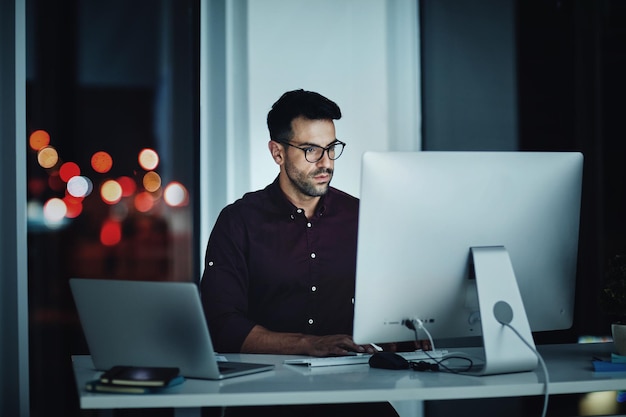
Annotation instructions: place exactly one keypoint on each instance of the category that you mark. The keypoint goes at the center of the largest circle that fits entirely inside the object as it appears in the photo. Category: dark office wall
(537, 75)
(469, 94)
(571, 66)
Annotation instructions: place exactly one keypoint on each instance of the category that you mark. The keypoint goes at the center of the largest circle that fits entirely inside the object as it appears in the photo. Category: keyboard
(361, 358)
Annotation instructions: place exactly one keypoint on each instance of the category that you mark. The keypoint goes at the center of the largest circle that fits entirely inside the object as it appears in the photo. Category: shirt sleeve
(224, 285)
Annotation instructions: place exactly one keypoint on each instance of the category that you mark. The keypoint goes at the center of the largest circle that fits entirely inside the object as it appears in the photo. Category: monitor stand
(499, 301)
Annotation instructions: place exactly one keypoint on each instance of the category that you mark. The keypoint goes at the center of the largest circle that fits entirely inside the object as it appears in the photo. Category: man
(280, 263)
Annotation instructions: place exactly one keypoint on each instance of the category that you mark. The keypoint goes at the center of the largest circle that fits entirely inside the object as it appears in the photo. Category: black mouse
(388, 360)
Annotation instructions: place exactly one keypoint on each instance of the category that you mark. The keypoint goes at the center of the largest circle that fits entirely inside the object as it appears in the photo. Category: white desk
(569, 367)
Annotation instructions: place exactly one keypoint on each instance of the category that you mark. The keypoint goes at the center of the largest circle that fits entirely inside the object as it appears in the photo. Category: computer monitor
(444, 237)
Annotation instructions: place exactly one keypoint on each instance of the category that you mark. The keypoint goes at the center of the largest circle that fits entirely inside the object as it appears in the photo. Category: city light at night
(79, 186)
(111, 192)
(175, 194)
(101, 162)
(69, 170)
(151, 181)
(144, 202)
(139, 191)
(111, 233)
(39, 139)
(74, 206)
(54, 210)
(47, 157)
(148, 159)
(128, 186)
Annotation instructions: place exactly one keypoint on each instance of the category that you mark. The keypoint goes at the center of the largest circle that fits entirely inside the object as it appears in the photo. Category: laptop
(146, 323)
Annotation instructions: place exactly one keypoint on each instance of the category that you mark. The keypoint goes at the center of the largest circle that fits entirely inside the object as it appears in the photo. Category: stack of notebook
(136, 380)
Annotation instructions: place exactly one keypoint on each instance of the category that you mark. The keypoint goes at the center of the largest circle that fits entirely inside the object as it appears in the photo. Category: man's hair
(294, 104)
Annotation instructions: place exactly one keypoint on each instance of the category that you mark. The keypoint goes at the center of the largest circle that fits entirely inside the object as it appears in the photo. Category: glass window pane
(112, 119)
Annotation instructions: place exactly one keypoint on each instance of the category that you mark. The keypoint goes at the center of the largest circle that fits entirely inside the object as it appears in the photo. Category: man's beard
(306, 183)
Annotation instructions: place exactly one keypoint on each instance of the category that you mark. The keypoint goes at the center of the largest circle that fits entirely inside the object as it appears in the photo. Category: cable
(430, 338)
(410, 323)
(543, 365)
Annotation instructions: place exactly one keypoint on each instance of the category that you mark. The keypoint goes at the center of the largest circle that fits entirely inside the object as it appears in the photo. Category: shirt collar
(277, 195)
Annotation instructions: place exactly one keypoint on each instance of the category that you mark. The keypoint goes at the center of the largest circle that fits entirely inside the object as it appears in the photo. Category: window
(112, 124)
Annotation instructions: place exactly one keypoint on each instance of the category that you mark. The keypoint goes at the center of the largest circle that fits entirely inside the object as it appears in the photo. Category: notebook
(146, 323)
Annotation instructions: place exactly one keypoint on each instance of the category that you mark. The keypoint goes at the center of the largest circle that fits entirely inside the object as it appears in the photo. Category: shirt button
(299, 211)
(310, 321)
(313, 255)
(314, 288)
(308, 224)
(211, 263)
(292, 217)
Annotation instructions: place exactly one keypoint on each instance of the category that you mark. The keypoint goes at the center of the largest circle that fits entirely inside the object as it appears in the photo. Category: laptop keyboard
(361, 358)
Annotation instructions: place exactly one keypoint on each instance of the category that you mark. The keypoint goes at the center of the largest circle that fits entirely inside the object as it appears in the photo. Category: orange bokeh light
(101, 162)
(47, 157)
(111, 233)
(69, 170)
(38, 140)
(151, 181)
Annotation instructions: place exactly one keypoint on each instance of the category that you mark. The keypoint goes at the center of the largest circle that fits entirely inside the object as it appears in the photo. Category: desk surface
(569, 367)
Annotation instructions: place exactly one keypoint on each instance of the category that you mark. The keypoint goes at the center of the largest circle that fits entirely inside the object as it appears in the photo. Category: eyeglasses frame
(324, 149)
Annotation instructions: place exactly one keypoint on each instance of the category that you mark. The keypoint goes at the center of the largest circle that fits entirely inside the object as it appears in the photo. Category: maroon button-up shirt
(267, 264)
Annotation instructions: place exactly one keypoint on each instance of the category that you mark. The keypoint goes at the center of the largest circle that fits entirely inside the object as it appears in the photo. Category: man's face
(309, 179)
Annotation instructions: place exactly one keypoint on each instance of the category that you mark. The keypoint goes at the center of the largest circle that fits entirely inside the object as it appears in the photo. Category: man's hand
(335, 345)
(262, 340)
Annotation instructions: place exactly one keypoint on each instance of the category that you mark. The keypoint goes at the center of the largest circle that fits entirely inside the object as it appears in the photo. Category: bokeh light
(101, 162)
(79, 186)
(74, 206)
(598, 404)
(148, 159)
(39, 139)
(111, 192)
(110, 233)
(54, 210)
(128, 186)
(151, 181)
(145, 192)
(175, 194)
(144, 202)
(69, 170)
(34, 210)
(47, 157)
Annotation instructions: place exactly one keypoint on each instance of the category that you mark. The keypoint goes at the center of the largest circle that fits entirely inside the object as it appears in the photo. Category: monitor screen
(421, 213)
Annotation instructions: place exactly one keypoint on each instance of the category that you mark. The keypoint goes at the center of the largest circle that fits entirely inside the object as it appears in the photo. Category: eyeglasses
(314, 153)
